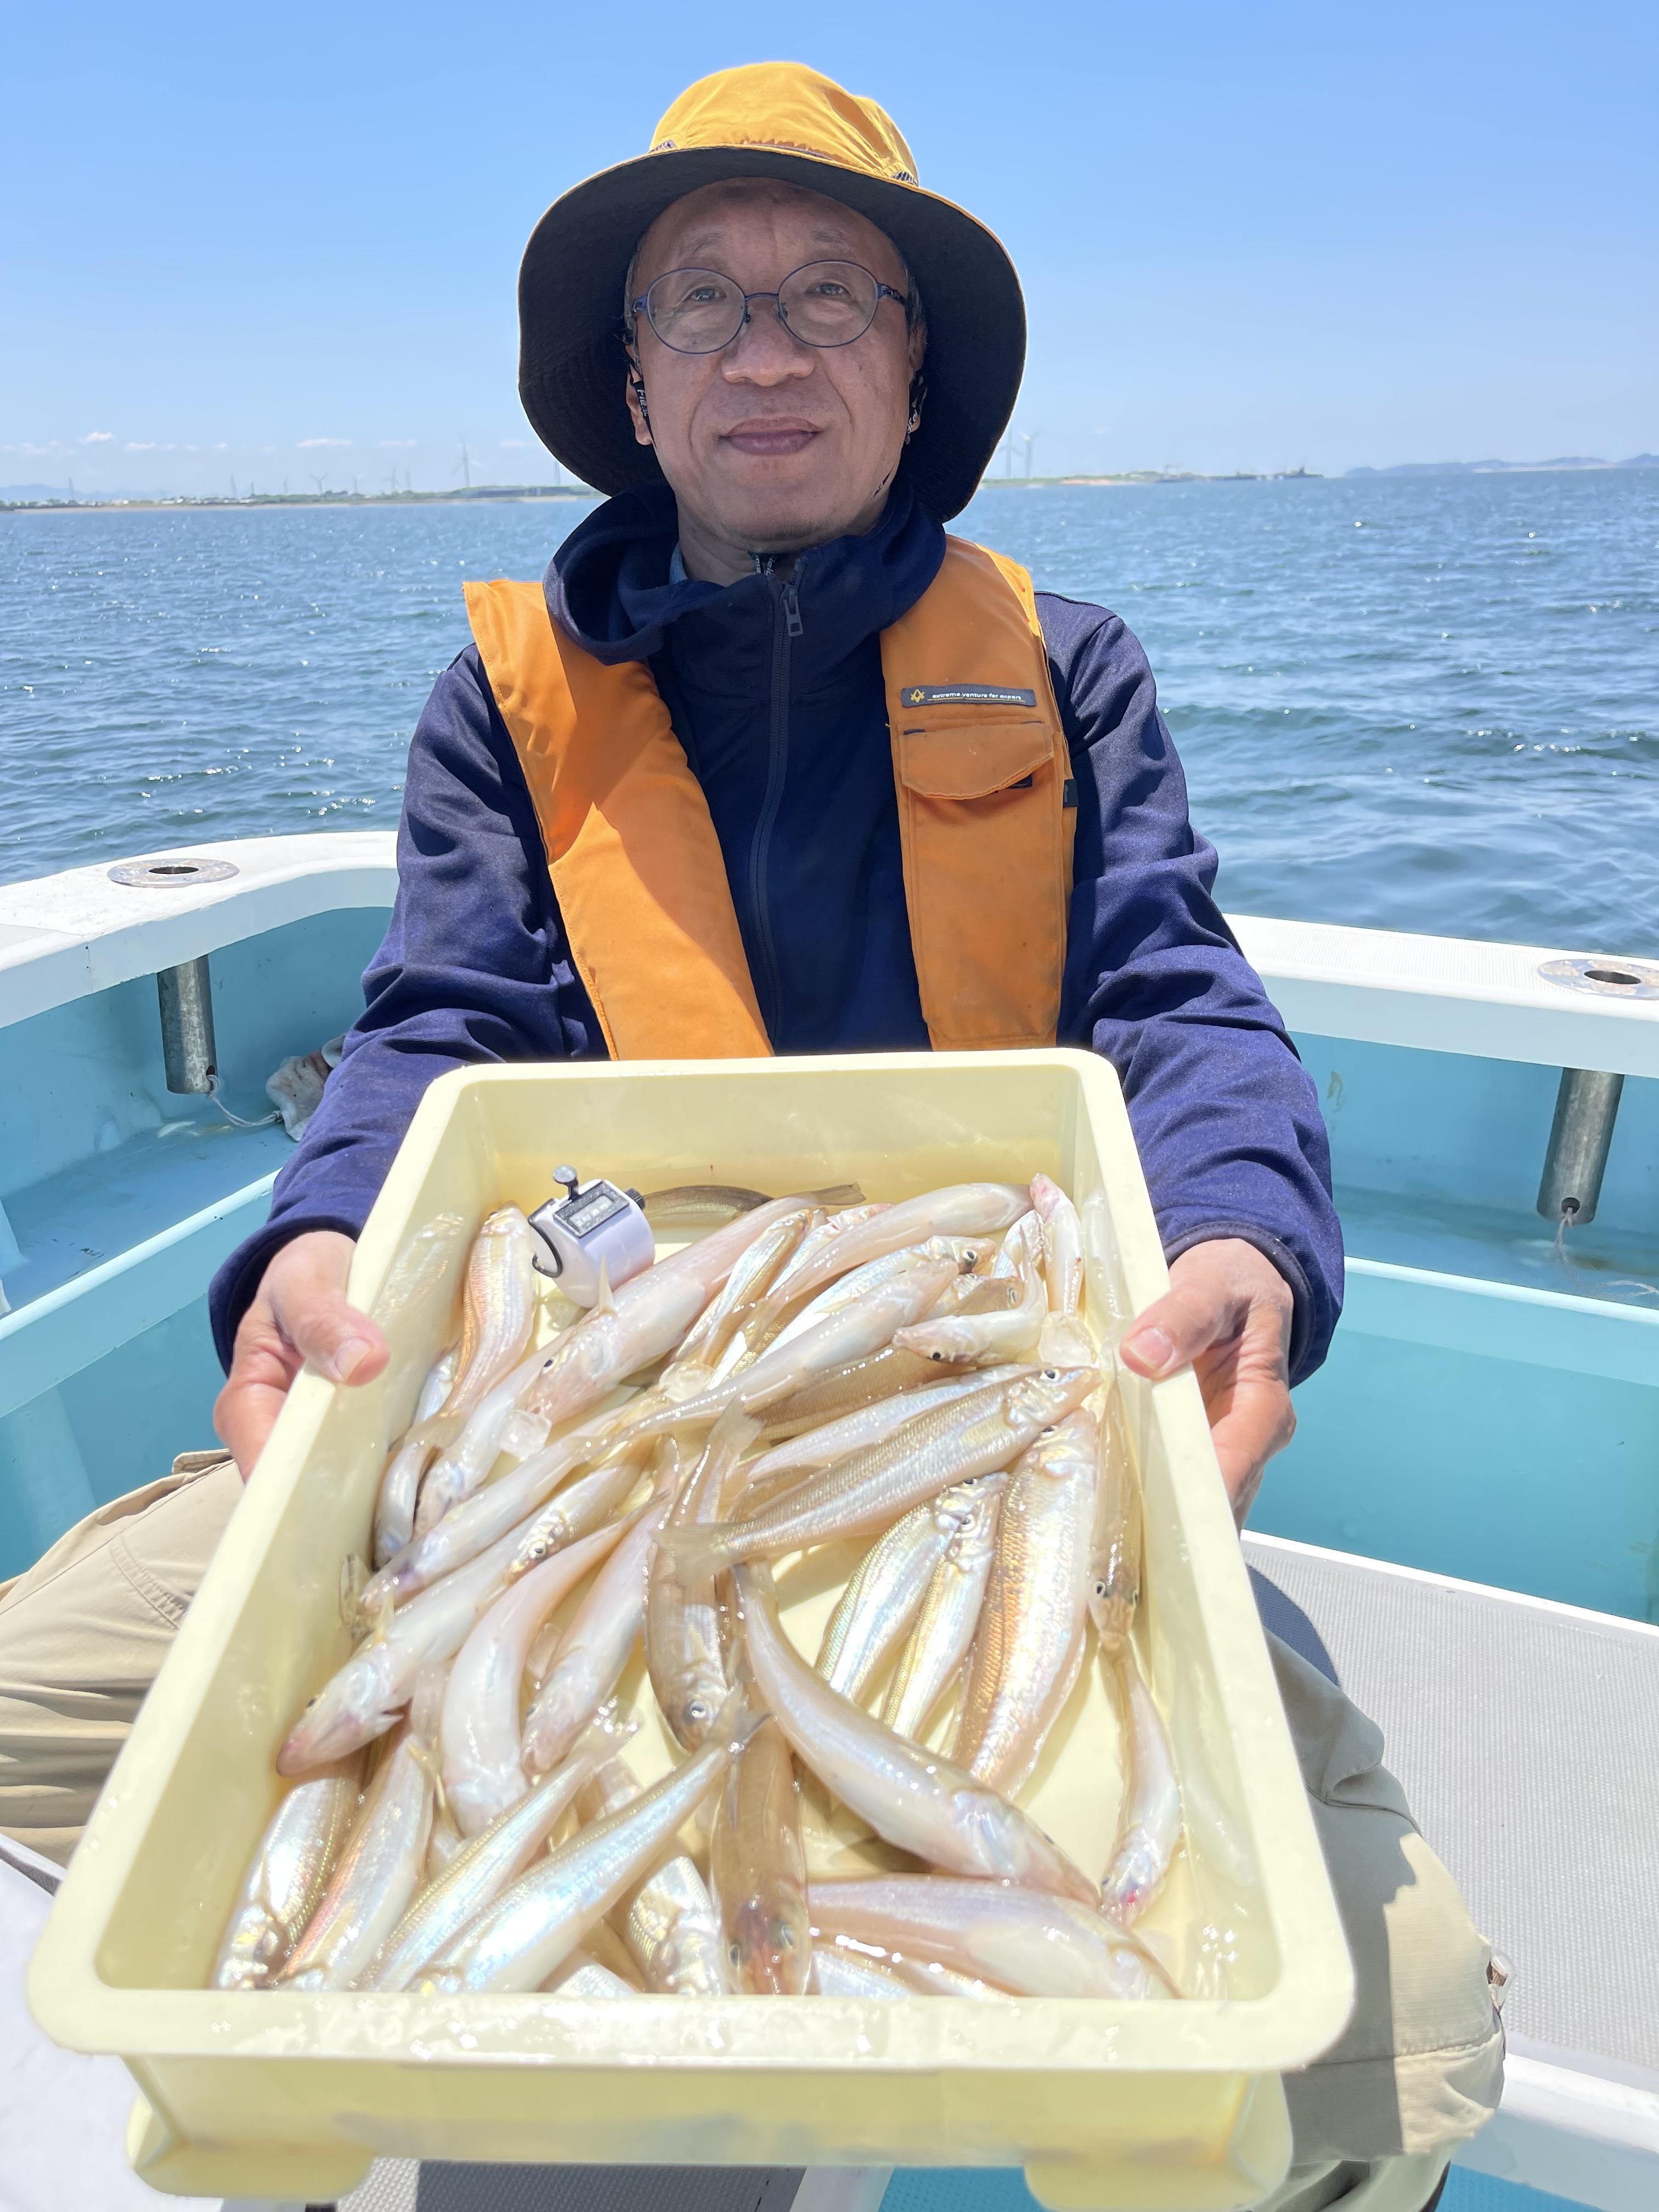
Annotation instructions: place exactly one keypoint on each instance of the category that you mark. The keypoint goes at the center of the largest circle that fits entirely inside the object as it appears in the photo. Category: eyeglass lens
(827, 303)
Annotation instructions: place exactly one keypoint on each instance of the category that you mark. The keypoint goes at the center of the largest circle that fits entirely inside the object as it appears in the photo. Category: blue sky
(275, 244)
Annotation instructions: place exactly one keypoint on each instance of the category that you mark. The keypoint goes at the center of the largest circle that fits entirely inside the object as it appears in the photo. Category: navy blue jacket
(776, 692)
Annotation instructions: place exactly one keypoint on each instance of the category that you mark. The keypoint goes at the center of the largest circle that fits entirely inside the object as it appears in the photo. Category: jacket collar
(609, 586)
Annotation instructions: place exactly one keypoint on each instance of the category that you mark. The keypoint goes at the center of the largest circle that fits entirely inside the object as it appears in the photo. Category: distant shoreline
(485, 496)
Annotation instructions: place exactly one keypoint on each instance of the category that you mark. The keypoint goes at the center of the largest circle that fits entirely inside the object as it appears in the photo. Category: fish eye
(696, 1711)
(1051, 1374)
(734, 1952)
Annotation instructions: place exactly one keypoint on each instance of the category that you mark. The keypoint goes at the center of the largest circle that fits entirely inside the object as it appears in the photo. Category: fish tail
(736, 1721)
(695, 1550)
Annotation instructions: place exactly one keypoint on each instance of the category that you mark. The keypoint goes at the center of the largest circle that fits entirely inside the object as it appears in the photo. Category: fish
(1149, 1826)
(482, 1868)
(582, 1976)
(699, 1204)
(744, 1288)
(823, 1237)
(377, 1873)
(577, 1511)
(966, 1209)
(1115, 1548)
(842, 1336)
(517, 1941)
(885, 1591)
(670, 1924)
(681, 1625)
(838, 1972)
(972, 1435)
(758, 1869)
(286, 1878)
(853, 1388)
(1062, 1244)
(363, 1698)
(910, 1796)
(400, 1483)
(965, 1253)
(1004, 1331)
(904, 1974)
(816, 1449)
(943, 1633)
(642, 1323)
(1034, 1622)
(1022, 1248)
(475, 1522)
(1024, 1939)
(595, 1648)
(479, 1734)
(498, 1318)
(444, 1841)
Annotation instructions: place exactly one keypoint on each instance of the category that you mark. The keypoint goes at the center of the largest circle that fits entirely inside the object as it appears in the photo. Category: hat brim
(572, 364)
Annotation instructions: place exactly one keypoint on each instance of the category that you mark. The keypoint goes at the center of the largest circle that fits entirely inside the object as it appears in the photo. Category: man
(769, 764)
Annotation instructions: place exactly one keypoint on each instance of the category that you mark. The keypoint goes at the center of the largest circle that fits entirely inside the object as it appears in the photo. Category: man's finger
(1259, 1421)
(1175, 1329)
(340, 1342)
(243, 1417)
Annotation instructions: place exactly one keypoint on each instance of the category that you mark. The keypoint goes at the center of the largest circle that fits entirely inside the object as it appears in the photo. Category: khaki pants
(1419, 2067)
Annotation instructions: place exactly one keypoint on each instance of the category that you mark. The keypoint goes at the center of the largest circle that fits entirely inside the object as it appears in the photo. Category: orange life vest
(986, 819)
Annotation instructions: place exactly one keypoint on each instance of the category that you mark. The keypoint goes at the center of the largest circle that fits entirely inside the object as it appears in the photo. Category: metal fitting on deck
(1586, 1107)
(187, 1042)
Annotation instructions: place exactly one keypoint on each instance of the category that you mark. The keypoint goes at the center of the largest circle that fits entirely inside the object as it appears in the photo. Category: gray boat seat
(1526, 1735)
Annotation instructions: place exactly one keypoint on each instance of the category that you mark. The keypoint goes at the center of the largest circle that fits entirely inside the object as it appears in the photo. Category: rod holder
(1586, 1107)
(187, 1046)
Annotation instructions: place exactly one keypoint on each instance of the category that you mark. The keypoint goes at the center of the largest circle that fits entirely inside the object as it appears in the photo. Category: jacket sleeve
(474, 968)
(1225, 1116)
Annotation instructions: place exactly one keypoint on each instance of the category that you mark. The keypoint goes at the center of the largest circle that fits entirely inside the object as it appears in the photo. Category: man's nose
(764, 351)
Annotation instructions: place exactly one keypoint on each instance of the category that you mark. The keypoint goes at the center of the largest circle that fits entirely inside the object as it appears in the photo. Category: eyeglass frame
(906, 300)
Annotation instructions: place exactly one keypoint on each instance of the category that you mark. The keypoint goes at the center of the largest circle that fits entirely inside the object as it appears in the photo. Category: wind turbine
(464, 469)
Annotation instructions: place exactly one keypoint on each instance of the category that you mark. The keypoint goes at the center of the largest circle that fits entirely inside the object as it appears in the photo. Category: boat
(1463, 1532)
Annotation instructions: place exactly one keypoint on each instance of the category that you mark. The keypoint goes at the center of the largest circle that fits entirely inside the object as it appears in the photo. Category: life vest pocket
(971, 759)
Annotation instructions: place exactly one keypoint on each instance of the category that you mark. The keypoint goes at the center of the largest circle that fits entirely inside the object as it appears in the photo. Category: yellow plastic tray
(286, 2094)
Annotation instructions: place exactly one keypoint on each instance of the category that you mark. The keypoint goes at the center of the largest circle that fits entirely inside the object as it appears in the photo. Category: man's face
(772, 444)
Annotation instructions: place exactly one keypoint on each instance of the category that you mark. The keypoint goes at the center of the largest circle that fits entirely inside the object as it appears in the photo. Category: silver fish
(943, 1635)
(1024, 1939)
(838, 1972)
(845, 1335)
(1149, 1826)
(364, 1697)
(517, 1941)
(1062, 1245)
(816, 1449)
(1034, 1621)
(595, 1648)
(582, 1976)
(681, 1625)
(965, 1253)
(286, 1878)
(861, 1384)
(498, 1317)
(580, 1508)
(475, 1522)
(965, 1209)
(758, 1869)
(1010, 1332)
(376, 1876)
(482, 1868)
(1115, 1548)
(910, 1796)
(400, 1483)
(885, 1590)
(670, 1924)
(744, 1288)
(481, 1771)
(972, 1436)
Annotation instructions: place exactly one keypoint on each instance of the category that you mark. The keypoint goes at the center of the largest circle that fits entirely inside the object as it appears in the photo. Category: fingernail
(1152, 1345)
(349, 1357)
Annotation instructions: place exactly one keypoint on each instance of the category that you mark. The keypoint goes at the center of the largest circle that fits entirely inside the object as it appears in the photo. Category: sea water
(1424, 704)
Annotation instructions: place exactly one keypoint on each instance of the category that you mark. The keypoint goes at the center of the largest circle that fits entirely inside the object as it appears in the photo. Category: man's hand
(1227, 1316)
(299, 1313)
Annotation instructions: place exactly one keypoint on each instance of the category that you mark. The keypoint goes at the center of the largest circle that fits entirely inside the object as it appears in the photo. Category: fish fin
(354, 1580)
(605, 1302)
(736, 1721)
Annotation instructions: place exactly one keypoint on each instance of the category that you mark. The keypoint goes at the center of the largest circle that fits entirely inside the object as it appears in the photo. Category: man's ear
(637, 406)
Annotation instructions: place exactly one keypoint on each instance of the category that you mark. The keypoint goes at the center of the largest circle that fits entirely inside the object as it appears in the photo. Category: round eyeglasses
(824, 303)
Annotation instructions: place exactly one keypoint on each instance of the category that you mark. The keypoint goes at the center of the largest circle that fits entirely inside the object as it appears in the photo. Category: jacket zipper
(787, 627)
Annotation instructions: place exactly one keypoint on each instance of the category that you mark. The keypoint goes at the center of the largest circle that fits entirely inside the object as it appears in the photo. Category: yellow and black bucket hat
(768, 119)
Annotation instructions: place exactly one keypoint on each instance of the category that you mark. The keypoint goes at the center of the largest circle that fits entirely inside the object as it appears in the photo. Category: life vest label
(966, 695)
